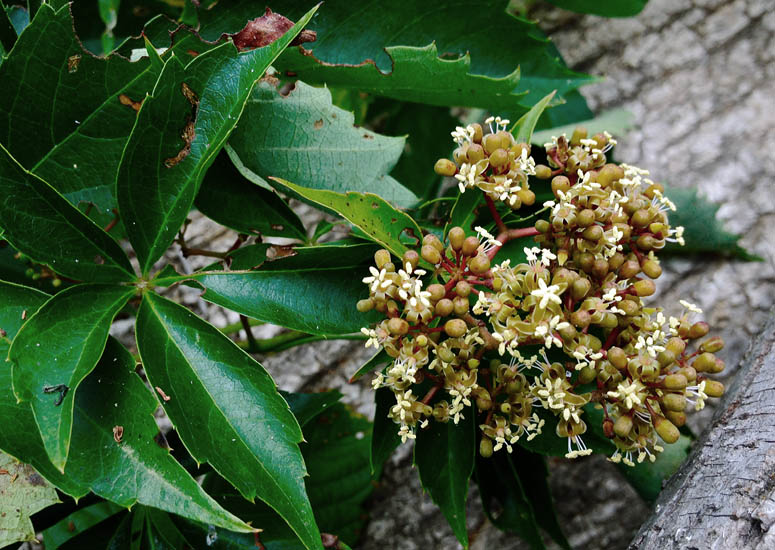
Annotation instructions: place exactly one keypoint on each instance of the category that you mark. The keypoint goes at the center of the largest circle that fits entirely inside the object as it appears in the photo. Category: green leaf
(306, 406)
(419, 75)
(22, 493)
(615, 121)
(55, 350)
(703, 232)
(20, 438)
(337, 451)
(498, 43)
(7, 32)
(463, 211)
(302, 137)
(39, 222)
(316, 301)
(444, 456)
(523, 128)
(139, 468)
(532, 471)
(160, 172)
(76, 115)
(78, 522)
(504, 500)
(368, 212)
(226, 409)
(379, 359)
(230, 200)
(385, 436)
(647, 478)
(606, 8)
(338, 254)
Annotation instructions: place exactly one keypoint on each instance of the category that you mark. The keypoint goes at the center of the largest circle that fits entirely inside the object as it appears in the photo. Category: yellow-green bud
(479, 265)
(652, 269)
(444, 307)
(430, 254)
(623, 426)
(644, 287)
(365, 305)
(714, 388)
(712, 345)
(445, 167)
(485, 447)
(398, 326)
(617, 357)
(456, 237)
(666, 429)
(543, 172)
(463, 289)
(674, 402)
(381, 257)
(455, 328)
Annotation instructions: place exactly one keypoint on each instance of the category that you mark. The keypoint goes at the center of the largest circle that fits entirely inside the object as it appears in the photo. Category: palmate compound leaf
(137, 469)
(226, 410)
(39, 222)
(22, 493)
(160, 172)
(498, 44)
(303, 138)
(54, 351)
(444, 456)
(132, 465)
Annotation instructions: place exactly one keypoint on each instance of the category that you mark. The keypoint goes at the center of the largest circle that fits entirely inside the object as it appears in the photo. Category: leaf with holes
(179, 130)
(347, 55)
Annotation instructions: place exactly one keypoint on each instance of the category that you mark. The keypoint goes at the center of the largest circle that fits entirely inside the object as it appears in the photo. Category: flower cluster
(492, 162)
(549, 335)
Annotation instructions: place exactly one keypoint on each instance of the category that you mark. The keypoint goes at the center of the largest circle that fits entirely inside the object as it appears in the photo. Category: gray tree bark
(724, 494)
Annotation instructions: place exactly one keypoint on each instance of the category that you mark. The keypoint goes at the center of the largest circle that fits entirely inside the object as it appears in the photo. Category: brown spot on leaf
(264, 30)
(162, 394)
(99, 260)
(70, 526)
(118, 433)
(192, 53)
(129, 102)
(189, 130)
(270, 79)
(189, 94)
(73, 62)
(368, 136)
(277, 226)
(278, 251)
(36, 479)
(318, 124)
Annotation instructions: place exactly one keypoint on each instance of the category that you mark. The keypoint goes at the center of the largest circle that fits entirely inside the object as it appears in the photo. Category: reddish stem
(511, 234)
(495, 216)
(430, 394)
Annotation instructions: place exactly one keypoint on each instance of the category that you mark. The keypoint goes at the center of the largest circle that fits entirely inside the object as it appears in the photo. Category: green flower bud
(398, 326)
(455, 328)
(444, 307)
(381, 257)
(365, 305)
(445, 167)
(617, 357)
(560, 183)
(623, 426)
(430, 254)
(644, 287)
(714, 388)
(470, 245)
(712, 344)
(674, 402)
(456, 237)
(437, 292)
(543, 172)
(666, 429)
(479, 265)
(652, 269)
(676, 417)
(485, 447)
